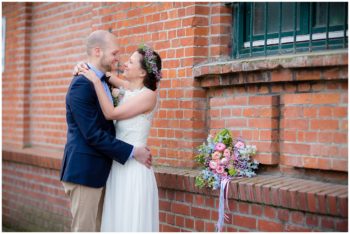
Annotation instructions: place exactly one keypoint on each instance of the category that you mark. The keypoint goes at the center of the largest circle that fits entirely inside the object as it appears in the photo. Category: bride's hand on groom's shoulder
(90, 75)
(79, 67)
(109, 74)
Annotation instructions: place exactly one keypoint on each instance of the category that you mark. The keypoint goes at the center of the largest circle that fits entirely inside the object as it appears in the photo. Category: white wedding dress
(131, 199)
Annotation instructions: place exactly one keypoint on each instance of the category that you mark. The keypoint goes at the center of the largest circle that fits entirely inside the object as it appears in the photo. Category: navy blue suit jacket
(91, 144)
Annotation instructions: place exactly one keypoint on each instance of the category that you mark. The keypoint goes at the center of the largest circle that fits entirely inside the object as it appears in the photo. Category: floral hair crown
(150, 61)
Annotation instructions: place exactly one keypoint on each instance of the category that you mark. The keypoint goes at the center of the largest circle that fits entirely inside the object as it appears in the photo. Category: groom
(91, 144)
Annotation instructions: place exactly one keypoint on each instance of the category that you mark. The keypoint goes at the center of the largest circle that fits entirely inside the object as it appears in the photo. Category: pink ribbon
(222, 198)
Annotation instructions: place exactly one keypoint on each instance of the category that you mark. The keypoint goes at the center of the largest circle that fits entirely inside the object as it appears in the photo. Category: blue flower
(206, 174)
(216, 184)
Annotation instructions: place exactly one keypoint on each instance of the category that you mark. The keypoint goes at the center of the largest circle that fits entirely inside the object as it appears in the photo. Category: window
(266, 28)
(3, 42)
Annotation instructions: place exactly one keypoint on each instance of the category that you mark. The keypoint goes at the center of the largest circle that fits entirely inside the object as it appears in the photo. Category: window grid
(305, 37)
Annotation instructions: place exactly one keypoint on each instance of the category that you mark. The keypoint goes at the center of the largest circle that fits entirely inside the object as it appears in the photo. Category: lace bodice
(135, 130)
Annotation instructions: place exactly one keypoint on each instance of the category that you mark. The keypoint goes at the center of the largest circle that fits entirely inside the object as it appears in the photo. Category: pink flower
(224, 161)
(220, 146)
(213, 164)
(216, 155)
(227, 153)
(115, 92)
(239, 145)
(220, 169)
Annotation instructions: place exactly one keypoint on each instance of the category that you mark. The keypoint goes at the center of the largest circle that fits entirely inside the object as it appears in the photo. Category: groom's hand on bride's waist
(143, 155)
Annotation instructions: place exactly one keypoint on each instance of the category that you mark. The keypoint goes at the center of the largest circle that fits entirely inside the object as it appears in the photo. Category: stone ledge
(279, 191)
(271, 69)
(34, 156)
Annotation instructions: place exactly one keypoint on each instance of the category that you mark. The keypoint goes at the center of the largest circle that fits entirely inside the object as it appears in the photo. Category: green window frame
(270, 28)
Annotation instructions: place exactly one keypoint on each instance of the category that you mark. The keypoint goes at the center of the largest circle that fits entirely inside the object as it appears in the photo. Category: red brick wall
(302, 126)
(57, 41)
(293, 108)
(56, 34)
(315, 124)
(15, 79)
(183, 33)
(296, 116)
(193, 212)
(33, 199)
(264, 203)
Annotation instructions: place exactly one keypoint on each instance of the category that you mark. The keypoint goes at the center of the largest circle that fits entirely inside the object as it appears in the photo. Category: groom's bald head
(102, 50)
(100, 39)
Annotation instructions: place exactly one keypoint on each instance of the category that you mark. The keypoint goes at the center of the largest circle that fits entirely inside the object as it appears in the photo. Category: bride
(131, 199)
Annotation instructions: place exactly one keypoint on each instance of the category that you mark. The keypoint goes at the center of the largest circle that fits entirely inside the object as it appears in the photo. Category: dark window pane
(259, 18)
(321, 14)
(288, 16)
(273, 14)
(337, 13)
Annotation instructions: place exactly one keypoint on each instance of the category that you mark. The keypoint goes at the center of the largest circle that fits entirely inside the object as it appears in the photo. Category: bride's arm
(139, 104)
(114, 80)
(117, 82)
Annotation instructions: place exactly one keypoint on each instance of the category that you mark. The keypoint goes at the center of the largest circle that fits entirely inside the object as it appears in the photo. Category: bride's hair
(152, 64)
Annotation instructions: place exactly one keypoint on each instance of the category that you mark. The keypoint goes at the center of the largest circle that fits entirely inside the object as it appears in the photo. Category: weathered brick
(269, 226)
(244, 221)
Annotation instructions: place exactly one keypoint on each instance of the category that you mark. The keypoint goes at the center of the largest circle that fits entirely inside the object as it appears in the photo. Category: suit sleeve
(85, 113)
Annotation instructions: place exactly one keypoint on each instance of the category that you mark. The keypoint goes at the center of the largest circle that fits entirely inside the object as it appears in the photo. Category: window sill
(34, 156)
(231, 72)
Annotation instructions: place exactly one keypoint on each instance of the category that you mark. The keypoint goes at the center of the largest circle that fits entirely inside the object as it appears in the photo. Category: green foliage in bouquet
(224, 136)
(203, 154)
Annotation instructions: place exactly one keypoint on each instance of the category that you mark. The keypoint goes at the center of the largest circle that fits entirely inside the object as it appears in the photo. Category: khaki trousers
(86, 206)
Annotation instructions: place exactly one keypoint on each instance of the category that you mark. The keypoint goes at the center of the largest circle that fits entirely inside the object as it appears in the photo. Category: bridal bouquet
(223, 159)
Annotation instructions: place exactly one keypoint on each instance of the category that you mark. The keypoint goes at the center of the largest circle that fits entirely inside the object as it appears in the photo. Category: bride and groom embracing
(106, 169)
